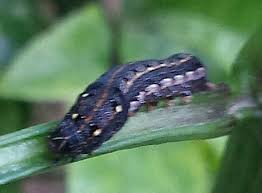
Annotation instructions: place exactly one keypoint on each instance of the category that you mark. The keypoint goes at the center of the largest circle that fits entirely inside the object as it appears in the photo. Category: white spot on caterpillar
(200, 73)
(153, 88)
(185, 59)
(178, 79)
(166, 82)
(58, 138)
(134, 105)
(163, 64)
(189, 76)
(150, 68)
(85, 95)
(141, 97)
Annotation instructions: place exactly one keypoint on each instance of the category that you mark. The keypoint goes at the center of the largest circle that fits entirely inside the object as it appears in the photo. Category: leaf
(13, 115)
(19, 21)
(25, 152)
(240, 15)
(165, 168)
(62, 61)
(241, 167)
(247, 69)
(213, 32)
(175, 32)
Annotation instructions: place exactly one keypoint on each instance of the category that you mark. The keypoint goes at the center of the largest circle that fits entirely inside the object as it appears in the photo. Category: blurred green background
(50, 50)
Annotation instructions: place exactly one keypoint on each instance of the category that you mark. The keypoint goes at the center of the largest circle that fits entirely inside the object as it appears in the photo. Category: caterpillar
(105, 105)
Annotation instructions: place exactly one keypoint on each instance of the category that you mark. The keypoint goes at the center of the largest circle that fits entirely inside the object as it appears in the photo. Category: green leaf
(240, 15)
(165, 168)
(19, 21)
(14, 114)
(12, 187)
(62, 61)
(178, 32)
(214, 32)
(247, 69)
(25, 152)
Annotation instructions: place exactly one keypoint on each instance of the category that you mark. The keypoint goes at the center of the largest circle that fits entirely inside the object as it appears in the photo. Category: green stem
(241, 170)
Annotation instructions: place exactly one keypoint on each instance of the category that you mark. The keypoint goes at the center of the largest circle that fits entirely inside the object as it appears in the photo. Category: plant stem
(25, 152)
(241, 170)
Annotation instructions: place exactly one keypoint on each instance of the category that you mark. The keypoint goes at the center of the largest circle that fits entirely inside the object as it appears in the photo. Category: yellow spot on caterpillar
(119, 109)
(97, 132)
(74, 116)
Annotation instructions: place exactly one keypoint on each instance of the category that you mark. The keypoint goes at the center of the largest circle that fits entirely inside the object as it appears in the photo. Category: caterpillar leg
(151, 106)
(186, 96)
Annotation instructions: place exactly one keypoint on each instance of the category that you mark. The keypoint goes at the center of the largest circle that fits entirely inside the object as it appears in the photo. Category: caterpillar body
(105, 105)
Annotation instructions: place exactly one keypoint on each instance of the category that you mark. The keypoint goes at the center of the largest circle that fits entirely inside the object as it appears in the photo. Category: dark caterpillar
(103, 108)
